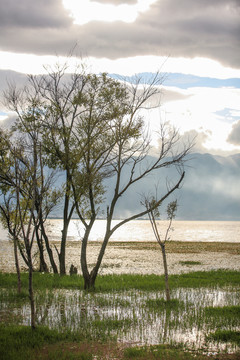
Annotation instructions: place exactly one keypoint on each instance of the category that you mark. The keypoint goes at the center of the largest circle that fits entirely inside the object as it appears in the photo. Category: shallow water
(136, 321)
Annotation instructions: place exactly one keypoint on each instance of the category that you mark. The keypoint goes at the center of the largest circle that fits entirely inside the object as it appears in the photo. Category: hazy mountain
(183, 81)
(210, 190)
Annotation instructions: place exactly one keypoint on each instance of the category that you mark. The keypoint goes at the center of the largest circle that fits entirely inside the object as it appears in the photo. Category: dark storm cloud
(169, 28)
(234, 136)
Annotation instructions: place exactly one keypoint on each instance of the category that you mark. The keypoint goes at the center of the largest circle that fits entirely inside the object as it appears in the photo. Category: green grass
(106, 283)
(190, 263)
(18, 342)
(22, 343)
(225, 311)
(225, 336)
(162, 304)
(120, 307)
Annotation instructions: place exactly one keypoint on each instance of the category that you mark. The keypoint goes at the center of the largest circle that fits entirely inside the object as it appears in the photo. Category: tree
(22, 183)
(92, 128)
(26, 132)
(8, 207)
(55, 100)
(153, 214)
(112, 140)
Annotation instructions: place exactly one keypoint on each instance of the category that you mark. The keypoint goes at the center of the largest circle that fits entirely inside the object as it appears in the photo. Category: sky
(195, 43)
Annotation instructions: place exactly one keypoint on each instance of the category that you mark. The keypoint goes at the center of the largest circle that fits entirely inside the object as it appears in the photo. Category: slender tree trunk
(167, 291)
(67, 215)
(62, 254)
(30, 291)
(49, 250)
(17, 265)
(83, 261)
(43, 265)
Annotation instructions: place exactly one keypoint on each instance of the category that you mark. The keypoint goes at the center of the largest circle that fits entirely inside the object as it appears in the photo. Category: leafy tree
(92, 128)
(55, 101)
(25, 144)
(112, 140)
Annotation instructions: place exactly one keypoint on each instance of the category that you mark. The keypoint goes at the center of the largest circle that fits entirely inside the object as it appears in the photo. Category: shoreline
(144, 257)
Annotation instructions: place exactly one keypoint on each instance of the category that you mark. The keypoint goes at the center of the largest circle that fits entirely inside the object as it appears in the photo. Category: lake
(140, 230)
(126, 259)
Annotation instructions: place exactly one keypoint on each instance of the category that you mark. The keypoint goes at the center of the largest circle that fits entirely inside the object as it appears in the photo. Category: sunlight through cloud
(85, 11)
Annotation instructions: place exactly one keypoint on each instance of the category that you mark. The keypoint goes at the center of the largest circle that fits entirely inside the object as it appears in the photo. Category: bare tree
(153, 214)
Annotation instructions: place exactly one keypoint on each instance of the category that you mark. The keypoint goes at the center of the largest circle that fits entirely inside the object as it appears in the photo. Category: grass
(123, 308)
(124, 282)
(20, 343)
(225, 311)
(225, 336)
(190, 263)
(181, 247)
(162, 304)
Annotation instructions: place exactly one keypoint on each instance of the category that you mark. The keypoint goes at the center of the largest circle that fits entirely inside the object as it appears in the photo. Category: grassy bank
(125, 281)
(124, 310)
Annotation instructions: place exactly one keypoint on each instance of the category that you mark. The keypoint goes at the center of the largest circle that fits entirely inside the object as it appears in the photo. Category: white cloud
(33, 64)
(195, 111)
(88, 11)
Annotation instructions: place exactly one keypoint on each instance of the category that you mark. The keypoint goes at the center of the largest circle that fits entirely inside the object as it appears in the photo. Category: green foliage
(171, 210)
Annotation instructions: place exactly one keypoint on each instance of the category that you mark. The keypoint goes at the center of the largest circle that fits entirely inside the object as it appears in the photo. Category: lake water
(140, 230)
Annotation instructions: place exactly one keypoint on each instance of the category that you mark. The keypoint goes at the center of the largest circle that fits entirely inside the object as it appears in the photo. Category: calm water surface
(140, 230)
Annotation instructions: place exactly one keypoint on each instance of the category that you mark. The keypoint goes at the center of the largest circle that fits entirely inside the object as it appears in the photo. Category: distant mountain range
(183, 81)
(210, 190)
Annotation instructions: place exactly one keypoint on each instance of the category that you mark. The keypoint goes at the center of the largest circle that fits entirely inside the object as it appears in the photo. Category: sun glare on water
(85, 11)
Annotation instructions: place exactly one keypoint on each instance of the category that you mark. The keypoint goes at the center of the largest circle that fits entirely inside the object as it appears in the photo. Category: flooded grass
(131, 309)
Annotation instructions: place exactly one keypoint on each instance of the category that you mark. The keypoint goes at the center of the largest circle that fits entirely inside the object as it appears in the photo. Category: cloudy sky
(196, 43)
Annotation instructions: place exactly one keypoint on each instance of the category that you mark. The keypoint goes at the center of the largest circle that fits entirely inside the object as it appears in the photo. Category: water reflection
(129, 317)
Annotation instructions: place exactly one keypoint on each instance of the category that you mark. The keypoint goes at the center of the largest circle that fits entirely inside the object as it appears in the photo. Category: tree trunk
(89, 283)
(17, 265)
(43, 266)
(49, 250)
(30, 291)
(62, 254)
(90, 279)
(67, 215)
(83, 261)
(167, 291)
